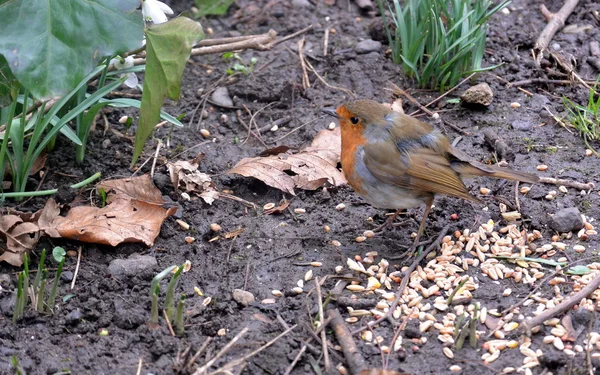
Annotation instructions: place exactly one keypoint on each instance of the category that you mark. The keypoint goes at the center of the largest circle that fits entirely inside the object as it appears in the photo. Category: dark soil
(272, 252)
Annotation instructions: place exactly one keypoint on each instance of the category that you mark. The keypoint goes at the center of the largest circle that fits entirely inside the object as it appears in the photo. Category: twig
(139, 369)
(297, 128)
(566, 183)
(563, 306)
(158, 146)
(322, 321)
(239, 361)
(168, 323)
(293, 35)
(202, 348)
(447, 92)
(250, 131)
(350, 93)
(354, 359)
(296, 359)
(517, 196)
(238, 199)
(305, 80)
(207, 365)
(555, 22)
(325, 41)
(530, 81)
(76, 268)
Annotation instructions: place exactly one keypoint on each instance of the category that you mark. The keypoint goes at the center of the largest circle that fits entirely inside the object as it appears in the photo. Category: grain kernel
(542, 167)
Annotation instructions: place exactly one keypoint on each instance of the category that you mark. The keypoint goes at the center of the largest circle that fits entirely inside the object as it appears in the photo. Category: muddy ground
(273, 251)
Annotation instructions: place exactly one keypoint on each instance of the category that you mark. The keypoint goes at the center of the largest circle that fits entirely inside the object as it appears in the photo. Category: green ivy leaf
(8, 84)
(168, 47)
(51, 46)
(212, 7)
(578, 270)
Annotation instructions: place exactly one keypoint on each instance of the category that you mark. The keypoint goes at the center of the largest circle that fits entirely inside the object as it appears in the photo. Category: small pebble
(274, 128)
(332, 126)
(505, 11)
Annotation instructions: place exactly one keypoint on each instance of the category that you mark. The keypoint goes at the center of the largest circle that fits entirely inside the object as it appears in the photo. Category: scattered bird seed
(542, 167)
(360, 239)
(222, 332)
(588, 152)
(448, 352)
(579, 248)
(340, 206)
(563, 189)
(205, 133)
(277, 293)
(369, 234)
(300, 211)
(124, 119)
(525, 189)
(484, 191)
(336, 243)
(183, 224)
(515, 105)
(308, 275)
(215, 227)
(268, 206)
(268, 301)
(331, 126)
(316, 264)
(327, 228)
(190, 239)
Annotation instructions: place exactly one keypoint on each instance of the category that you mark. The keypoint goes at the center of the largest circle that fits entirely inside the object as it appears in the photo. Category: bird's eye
(354, 120)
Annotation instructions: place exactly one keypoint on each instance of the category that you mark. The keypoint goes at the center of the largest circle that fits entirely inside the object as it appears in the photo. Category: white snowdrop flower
(155, 11)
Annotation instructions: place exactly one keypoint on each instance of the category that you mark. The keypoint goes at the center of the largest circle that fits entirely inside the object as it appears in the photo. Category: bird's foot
(389, 224)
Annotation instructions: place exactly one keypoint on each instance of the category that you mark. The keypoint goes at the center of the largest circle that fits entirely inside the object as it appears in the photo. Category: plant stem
(21, 195)
(153, 322)
(52, 296)
(87, 181)
(170, 296)
(38, 276)
(42, 293)
(179, 328)
(18, 311)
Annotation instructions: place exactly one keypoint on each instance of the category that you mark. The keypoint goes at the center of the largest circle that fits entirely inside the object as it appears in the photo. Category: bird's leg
(389, 222)
(429, 204)
(416, 243)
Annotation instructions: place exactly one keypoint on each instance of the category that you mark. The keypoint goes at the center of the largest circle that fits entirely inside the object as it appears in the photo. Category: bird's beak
(330, 112)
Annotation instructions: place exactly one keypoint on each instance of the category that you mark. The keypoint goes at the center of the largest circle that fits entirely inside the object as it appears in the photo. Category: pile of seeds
(507, 253)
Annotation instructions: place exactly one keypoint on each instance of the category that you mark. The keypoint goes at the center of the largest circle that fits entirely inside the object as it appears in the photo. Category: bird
(395, 161)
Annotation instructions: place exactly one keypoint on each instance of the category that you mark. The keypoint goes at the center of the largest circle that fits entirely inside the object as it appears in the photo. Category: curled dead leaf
(308, 169)
(185, 174)
(20, 237)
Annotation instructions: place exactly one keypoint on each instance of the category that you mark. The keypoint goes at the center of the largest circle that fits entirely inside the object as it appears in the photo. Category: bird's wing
(414, 163)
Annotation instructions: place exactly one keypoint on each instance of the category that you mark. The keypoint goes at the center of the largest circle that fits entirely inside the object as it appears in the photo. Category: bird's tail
(473, 168)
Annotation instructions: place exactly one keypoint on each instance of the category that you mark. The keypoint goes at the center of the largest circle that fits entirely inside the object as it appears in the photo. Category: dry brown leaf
(20, 237)
(185, 175)
(311, 168)
(134, 213)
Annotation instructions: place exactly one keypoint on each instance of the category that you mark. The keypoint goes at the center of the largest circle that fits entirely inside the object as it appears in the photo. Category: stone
(242, 297)
(567, 220)
(301, 4)
(480, 94)
(134, 265)
(367, 46)
(221, 97)
(73, 317)
(522, 125)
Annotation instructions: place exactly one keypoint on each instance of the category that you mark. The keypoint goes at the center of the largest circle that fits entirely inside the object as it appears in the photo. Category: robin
(395, 161)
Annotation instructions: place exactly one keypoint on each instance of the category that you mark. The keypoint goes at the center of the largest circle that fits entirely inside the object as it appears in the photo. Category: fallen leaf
(308, 169)
(134, 213)
(184, 174)
(279, 209)
(20, 237)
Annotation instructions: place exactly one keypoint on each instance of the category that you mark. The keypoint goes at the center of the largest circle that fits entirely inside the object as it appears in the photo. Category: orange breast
(352, 138)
